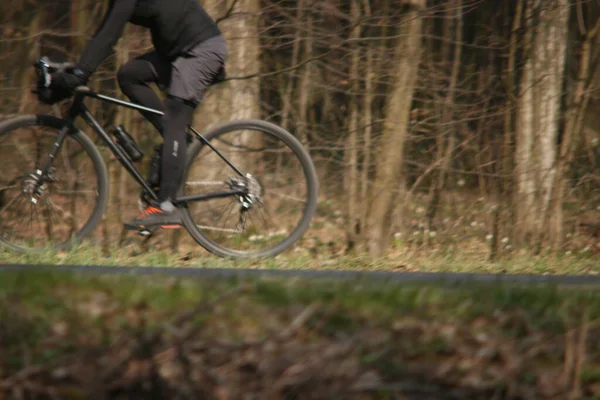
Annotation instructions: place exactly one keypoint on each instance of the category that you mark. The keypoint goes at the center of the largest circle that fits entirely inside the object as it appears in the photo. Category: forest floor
(402, 257)
(459, 240)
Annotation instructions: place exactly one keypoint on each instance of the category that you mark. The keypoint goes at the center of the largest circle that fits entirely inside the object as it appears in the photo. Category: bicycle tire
(97, 161)
(311, 180)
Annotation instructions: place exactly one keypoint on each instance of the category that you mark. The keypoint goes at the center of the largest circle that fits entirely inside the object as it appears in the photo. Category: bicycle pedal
(145, 233)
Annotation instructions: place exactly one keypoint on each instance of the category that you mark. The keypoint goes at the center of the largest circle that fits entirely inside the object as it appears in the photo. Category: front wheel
(278, 176)
(67, 204)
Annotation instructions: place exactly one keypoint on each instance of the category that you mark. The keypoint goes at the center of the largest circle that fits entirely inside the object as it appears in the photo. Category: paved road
(398, 277)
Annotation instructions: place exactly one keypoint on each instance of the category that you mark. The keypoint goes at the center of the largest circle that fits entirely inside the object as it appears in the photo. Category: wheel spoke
(84, 192)
(264, 216)
(24, 154)
(229, 211)
(6, 221)
(49, 223)
(19, 195)
(288, 197)
(213, 228)
(30, 222)
(204, 183)
(254, 224)
(48, 229)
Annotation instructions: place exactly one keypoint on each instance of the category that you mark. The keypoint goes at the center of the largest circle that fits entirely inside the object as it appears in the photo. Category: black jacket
(175, 25)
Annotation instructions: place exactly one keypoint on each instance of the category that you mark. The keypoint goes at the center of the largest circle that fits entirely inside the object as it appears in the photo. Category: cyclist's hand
(64, 83)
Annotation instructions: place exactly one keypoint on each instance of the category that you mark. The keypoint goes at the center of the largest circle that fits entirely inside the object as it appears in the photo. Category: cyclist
(189, 54)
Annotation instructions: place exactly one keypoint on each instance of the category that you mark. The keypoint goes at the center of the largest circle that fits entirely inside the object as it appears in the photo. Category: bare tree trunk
(507, 146)
(351, 175)
(480, 133)
(217, 107)
(525, 201)
(80, 22)
(374, 54)
(287, 97)
(237, 98)
(244, 60)
(305, 82)
(446, 145)
(550, 57)
(385, 187)
(368, 121)
(573, 126)
(541, 88)
(28, 76)
(368, 133)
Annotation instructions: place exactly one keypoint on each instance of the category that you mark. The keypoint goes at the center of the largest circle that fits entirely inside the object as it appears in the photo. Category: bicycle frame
(78, 108)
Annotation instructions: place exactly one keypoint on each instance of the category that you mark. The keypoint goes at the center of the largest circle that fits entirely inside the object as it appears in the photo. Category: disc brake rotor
(252, 195)
(36, 187)
(251, 187)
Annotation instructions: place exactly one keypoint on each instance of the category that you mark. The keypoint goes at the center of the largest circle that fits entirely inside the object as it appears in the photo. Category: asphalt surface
(396, 277)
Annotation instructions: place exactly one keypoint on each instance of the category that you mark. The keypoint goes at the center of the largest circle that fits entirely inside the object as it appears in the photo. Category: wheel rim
(279, 198)
(63, 204)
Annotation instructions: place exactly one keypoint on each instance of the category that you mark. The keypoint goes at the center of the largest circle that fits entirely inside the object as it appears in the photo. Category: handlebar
(45, 68)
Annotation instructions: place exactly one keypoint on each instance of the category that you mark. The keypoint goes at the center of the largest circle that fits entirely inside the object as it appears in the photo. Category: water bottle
(127, 143)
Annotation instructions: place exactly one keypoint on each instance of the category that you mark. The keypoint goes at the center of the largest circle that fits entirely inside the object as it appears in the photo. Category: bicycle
(239, 177)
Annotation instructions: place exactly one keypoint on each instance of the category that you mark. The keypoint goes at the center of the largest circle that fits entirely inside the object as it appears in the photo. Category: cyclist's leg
(178, 116)
(133, 79)
(191, 75)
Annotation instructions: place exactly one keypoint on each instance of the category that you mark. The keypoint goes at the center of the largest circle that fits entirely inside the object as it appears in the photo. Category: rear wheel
(279, 180)
(69, 202)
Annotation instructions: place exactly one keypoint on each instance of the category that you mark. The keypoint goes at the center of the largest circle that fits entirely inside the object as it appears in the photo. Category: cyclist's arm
(111, 29)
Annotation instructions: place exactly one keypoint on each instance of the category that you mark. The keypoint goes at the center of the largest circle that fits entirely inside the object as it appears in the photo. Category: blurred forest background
(433, 123)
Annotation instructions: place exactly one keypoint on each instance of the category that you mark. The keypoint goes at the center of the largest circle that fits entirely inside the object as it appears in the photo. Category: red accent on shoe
(149, 211)
(171, 226)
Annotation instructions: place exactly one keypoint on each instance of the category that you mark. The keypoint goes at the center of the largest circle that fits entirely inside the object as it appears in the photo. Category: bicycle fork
(37, 178)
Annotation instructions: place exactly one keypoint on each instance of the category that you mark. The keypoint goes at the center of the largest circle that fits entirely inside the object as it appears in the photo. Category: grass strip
(71, 335)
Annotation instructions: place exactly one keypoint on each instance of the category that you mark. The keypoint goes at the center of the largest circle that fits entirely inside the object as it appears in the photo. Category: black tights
(174, 150)
(133, 78)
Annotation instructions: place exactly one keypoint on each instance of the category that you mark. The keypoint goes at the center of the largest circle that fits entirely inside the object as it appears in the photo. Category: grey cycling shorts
(188, 76)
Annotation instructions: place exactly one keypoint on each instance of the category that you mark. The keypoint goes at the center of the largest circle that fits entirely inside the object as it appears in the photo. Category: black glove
(64, 83)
